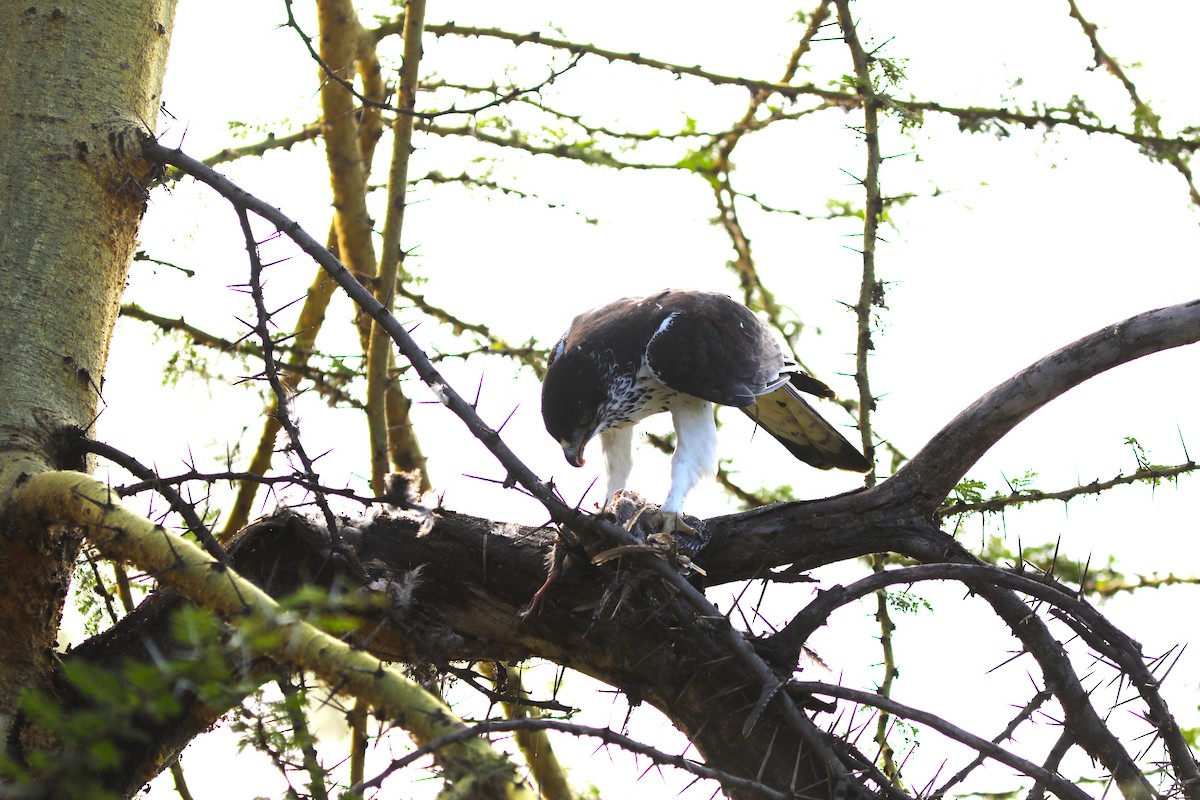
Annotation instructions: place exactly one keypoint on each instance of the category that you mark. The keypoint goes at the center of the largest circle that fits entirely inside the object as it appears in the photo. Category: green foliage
(333, 612)
(1158, 472)
(1077, 109)
(702, 162)
(979, 120)
(270, 128)
(1192, 736)
(848, 82)
(784, 493)
(187, 360)
(971, 492)
(907, 602)
(1145, 120)
(88, 603)
(891, 71)
(1022, 483)
(117, 709)
(1139, 452)
(590, 792)
(842, 208)
(95, 596)
(114, 711)
(910, 119)
(968, 490)
(278, 728)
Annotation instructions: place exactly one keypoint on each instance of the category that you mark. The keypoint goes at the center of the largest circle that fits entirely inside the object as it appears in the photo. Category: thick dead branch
(664, 642)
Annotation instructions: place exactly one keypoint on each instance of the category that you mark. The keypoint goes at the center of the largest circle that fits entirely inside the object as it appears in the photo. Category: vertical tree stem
(312, 314)
(379, 355)
(869, 295)
(533, 743)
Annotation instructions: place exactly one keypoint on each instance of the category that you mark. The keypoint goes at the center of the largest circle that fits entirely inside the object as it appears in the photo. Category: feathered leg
(695, 457)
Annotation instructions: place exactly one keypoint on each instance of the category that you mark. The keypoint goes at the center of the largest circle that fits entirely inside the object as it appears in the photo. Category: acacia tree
(443, 593)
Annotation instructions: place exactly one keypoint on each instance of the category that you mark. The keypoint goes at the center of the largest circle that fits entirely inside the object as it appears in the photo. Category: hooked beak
(573, 451)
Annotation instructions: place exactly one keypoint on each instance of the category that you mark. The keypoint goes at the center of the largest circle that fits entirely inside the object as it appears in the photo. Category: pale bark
(347, 175)
(78, 79)
(85, 503)
(380, 355)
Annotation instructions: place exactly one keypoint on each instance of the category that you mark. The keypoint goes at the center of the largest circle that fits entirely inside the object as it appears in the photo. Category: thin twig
(1057, 783)
(1144, 118)
(869, 298)
(604, 734)
(180, 506)
(1020, 497)
(283, 402)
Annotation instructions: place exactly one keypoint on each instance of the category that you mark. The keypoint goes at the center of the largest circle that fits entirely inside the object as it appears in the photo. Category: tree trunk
(78, 79)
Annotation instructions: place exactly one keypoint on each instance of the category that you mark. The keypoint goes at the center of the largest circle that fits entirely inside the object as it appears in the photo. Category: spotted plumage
(680, 352)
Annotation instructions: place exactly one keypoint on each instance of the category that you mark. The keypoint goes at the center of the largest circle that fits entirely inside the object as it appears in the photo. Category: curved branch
(1056, 783)
(810, 534)
(926, 480)
(997, 587)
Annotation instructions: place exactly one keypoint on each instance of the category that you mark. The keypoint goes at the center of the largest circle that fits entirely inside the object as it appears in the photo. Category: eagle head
(572, 399)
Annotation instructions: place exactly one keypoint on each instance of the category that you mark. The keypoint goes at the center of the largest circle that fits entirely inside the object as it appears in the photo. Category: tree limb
(890, 517)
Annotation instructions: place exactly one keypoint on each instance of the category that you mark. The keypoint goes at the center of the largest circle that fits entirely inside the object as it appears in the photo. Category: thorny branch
(518, 472)
(1152, 475)
(1089, 624)
(1082, 722)
(1055, 374)
(334, 76)
(329, 382)
(164, 487)
(157, 483)
(605, 735)
(870, 298)
(283, 403)
(1056, 783)
(1144, 118)
(1026, 712)
(973, 118)
(1147, 133)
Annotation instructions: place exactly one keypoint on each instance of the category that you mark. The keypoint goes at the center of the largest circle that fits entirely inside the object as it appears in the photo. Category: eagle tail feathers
(785, 415)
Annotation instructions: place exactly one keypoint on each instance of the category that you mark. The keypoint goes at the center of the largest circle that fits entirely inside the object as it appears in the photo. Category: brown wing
(714, 348)
(705, 345)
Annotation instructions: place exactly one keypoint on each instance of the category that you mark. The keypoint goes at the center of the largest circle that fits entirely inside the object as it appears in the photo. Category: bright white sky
(1034, 241)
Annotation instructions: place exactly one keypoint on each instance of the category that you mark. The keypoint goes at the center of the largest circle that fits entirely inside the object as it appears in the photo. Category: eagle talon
(671, 522)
